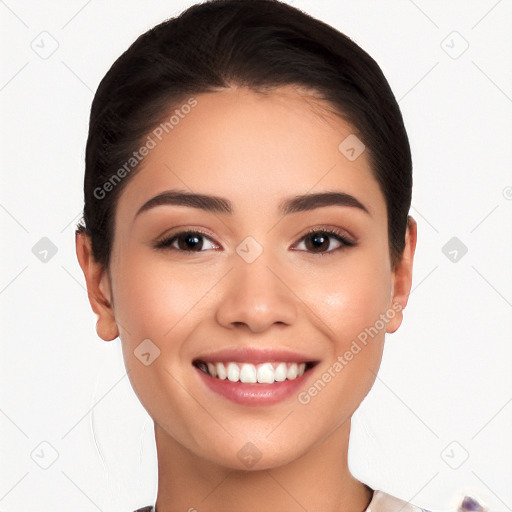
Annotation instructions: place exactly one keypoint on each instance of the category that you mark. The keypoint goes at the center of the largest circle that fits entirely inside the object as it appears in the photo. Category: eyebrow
(215, 204)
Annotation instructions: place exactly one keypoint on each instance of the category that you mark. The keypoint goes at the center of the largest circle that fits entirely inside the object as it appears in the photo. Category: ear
(98, 288)
(402, 276)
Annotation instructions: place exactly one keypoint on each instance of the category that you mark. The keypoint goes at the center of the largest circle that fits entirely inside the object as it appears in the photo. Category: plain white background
(436, 424)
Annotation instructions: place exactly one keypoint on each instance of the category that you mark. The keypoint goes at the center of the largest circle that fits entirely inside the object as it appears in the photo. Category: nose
(256, 297)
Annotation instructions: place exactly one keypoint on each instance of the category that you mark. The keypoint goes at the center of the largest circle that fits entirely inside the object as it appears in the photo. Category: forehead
(254, 148)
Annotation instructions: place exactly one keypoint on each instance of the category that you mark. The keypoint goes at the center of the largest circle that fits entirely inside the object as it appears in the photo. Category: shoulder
(383, 502)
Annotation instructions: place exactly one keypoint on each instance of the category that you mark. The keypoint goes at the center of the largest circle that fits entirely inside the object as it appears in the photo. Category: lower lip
(254, 394)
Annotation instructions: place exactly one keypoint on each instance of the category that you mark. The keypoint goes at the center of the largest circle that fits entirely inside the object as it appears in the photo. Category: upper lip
(254, 355)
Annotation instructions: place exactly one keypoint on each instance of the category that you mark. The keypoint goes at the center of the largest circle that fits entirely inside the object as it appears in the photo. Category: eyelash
(165, 244)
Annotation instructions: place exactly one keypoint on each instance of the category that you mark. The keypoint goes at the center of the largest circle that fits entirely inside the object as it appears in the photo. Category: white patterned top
(383, 502)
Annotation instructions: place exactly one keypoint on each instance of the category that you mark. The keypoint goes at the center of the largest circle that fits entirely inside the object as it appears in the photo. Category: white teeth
(248, 373)
(212, 369)
(292, 372)
(233, 372)
(221, 371)
(280, 372)
(264, 373)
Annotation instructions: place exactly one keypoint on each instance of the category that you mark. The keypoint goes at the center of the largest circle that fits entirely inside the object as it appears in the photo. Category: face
(226, 284)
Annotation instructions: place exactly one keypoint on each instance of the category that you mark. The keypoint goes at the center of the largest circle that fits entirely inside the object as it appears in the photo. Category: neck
(318, 480)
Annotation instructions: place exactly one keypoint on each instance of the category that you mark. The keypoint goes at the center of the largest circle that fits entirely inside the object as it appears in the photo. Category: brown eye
(190, 241)
(318, 241)
(185, 241)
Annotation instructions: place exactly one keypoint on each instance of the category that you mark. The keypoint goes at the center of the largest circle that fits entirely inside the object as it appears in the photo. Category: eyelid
(334, 230)
(342, 236)
(163, 242)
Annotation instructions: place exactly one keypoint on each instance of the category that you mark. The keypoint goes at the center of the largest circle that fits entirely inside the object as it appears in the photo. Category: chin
(254, 456)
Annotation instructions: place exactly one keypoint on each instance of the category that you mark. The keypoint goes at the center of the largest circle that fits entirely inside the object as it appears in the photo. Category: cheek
(151, 296)
(151, 304)
(352, 305)
(353, 297)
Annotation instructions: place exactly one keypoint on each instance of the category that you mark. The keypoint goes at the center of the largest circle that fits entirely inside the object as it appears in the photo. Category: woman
(246, 235)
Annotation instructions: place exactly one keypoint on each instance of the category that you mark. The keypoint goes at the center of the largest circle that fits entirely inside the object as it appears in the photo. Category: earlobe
(98, 288)
(402, 277)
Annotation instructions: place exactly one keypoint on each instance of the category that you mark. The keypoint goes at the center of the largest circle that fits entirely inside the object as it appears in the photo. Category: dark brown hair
(259, 44)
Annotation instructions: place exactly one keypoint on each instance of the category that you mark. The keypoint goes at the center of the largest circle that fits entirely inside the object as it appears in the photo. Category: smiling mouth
(248, 373)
